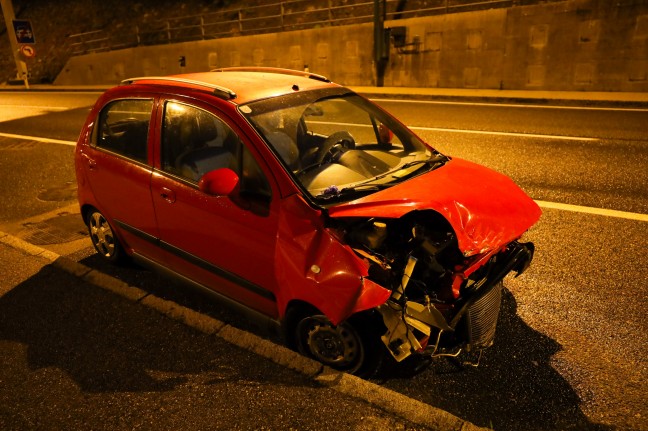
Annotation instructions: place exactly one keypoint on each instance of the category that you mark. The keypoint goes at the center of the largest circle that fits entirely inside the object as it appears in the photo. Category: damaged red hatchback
(306, 205)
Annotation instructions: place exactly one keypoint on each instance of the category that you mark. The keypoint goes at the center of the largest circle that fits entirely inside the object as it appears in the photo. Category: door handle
(168, 195)
(92, 164)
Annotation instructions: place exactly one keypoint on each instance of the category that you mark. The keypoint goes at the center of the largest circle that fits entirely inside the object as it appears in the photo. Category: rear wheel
(352, 346)
(103, 237)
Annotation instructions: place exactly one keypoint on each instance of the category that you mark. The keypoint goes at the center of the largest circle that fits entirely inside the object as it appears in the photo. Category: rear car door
(223, 242)
(117, 163)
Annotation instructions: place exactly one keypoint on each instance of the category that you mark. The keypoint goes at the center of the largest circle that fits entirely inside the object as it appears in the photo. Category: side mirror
(220, 182)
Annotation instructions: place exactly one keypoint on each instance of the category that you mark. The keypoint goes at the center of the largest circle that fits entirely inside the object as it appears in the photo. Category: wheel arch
(86, 210)
(296, 310)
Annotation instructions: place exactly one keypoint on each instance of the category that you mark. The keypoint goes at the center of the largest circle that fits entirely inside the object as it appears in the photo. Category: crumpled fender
(311, 265)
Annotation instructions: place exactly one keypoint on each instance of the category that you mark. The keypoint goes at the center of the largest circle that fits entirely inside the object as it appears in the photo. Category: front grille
(482, 318)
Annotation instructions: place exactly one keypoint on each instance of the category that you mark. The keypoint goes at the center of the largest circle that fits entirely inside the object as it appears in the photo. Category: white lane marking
(40, 107)
(592, 210)
(542, 204)
(38, 138)
(15, 112)
(524, 135)
(511, 105)
(477, 132)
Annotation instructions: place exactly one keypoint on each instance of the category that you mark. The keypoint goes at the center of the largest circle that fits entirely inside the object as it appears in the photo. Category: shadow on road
(165, 288)
(73, 356)
(106, 343)
(513, 388)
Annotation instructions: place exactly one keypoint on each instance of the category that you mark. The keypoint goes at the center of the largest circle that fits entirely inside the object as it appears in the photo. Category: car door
(223, 242)
(118, 167)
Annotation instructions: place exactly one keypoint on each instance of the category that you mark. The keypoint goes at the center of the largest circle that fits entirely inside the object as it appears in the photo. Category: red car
(306, 205)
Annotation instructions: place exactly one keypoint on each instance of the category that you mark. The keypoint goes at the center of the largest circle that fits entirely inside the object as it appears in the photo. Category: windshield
(339, 146)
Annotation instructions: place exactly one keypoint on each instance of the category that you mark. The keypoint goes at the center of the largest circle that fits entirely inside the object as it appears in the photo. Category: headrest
(205, 128)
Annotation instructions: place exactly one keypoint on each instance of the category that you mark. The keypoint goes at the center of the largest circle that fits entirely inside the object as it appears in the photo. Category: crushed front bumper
(413, 327)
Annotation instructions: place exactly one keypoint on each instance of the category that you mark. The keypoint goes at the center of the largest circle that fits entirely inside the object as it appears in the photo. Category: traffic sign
(23, 31)
(28, 51)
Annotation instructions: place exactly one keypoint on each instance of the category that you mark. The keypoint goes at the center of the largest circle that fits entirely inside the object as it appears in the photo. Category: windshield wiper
(439, 159)
(432, 163)
(368, 186)
(333, 192)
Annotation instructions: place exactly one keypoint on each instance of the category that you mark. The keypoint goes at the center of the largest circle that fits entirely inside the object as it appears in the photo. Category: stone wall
(584, 45)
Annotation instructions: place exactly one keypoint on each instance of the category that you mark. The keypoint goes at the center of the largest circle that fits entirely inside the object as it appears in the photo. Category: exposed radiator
(482, 319)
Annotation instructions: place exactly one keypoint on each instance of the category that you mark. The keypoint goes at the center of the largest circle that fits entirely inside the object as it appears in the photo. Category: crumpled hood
(485, 208)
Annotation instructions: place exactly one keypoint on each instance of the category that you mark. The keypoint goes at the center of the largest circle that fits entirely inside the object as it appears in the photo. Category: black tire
(103, 237)
(353, 346)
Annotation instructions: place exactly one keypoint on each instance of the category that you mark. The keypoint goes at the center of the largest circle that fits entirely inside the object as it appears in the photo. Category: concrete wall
(588, 45)
(342, 53)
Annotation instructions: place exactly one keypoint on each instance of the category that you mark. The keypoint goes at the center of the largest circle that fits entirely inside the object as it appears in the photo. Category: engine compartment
(442, 302)
(390, 244)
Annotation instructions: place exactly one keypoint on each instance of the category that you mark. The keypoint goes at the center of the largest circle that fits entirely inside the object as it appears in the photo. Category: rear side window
(123, 128)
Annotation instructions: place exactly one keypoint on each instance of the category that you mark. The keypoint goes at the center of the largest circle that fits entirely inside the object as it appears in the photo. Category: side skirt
(261, 320)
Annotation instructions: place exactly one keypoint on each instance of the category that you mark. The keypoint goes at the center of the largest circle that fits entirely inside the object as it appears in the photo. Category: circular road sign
(28, 51)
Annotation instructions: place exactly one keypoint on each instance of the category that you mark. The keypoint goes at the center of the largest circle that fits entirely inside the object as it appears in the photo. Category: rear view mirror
(385, 135)
(220, 182)
(313, 111)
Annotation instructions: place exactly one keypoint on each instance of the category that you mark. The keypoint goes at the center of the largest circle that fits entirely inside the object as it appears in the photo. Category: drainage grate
(64, 227)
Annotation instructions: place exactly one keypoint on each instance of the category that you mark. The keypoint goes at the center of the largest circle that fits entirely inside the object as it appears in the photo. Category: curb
(399, 405)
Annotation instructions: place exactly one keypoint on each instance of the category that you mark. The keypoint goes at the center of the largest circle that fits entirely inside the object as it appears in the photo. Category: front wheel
(352, 346)
(103, 238)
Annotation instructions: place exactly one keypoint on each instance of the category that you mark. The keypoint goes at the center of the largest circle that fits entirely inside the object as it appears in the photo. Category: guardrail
(279, 16)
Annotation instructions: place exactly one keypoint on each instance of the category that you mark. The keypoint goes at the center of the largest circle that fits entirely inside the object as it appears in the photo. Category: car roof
(240, 85)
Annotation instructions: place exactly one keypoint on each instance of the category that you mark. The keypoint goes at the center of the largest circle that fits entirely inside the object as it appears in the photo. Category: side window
(123, 128)
(195, 142)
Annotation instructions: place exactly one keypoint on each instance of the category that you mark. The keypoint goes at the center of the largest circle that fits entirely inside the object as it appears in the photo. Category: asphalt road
(571, 346)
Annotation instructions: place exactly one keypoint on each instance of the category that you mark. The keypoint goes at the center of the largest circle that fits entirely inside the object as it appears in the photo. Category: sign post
(381, 44)
(22, 36)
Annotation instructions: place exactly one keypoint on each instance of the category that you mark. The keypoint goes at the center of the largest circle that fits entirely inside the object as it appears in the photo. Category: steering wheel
(333, 146)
